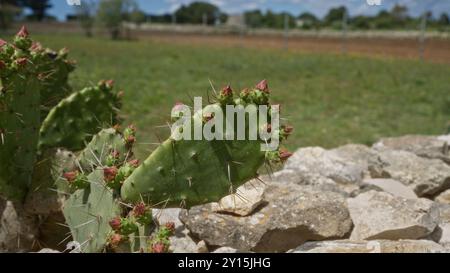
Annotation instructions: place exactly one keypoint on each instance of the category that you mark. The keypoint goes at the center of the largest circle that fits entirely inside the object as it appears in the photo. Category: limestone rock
(292, 215)
(427, 177)
(393, 187)
(423, 146)
(380, 215)
(402, 246)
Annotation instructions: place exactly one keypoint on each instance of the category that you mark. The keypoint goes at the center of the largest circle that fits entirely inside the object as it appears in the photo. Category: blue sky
(318, 7)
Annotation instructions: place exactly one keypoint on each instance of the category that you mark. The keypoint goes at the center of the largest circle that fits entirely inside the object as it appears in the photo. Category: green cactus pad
(49, 189)
(88, 213)
(19, 123)
(188, 173)
(99, 151)
(75, 119)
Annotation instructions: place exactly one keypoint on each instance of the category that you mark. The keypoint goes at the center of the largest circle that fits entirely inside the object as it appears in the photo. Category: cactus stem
(85, 224)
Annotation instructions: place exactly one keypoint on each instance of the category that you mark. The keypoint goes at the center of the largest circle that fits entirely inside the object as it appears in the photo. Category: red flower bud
(263, 86)
(288, 129)
(227, 91)
(110, 173)
(70, 176)
(158, 248)
(115, 223)
(115, 240)
(285, 155)
(170, 226)
(134, 163)
(130, 140)
(22, 61)
(23, 32)
(115, 154)
(2, 43)
(140, 209)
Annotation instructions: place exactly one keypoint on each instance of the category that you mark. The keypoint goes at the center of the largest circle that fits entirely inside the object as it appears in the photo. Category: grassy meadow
(331, 100)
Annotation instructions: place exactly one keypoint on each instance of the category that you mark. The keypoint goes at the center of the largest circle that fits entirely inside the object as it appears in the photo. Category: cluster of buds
(142, 213)
(22, 40)
(76, 180)
(114, 240)
(106, 85)
(129, 135)
(279, 156)
(115, 177)
(226, 96)
(123, 226)
(113, 158)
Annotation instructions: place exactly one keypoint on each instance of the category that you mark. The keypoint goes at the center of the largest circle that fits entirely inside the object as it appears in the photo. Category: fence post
(422, 38)
(286, 31)
(344, 32)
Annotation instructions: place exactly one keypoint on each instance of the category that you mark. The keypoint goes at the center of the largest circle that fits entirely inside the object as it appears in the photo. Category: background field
(331, 99)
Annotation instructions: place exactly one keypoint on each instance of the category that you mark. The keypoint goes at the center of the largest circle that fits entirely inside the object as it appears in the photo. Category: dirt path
(436, 50)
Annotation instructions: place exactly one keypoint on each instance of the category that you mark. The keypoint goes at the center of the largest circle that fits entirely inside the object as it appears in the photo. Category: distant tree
(9, 9)
(399, 12)
(137, 16)
(308, 20)
(444, 19)
(195, 12)
(38, 7)
(86, 16)
(335, 15)
(361, 22)
(112, 13)
(254, 18)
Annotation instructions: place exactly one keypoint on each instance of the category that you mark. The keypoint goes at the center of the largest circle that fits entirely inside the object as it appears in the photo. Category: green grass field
(331, 100)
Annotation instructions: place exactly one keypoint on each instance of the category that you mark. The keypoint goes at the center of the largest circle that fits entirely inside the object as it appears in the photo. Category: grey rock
(423, 146)
(328, 164)
(248, 197)
(427, 177)
(18, 229)
(443, 198)
(393, 187)
(380, 215)
(181, 241)
(225, 250)
(382, 246)
(292, 215)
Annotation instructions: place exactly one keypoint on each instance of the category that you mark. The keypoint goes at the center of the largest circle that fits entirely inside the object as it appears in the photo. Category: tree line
(396, 18)
(111, 13)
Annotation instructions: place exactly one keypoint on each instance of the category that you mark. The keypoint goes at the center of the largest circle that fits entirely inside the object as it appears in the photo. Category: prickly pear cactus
(75, 119)
(88, 212)
(103, 167)
(19, 115)
(189, 172)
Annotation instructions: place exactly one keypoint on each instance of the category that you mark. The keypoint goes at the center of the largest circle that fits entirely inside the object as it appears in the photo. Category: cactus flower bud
(130, 140)
(22, 62)
(71, 176)
(170, 226)
(110, 173)
(227, 91)
(115, 223)
(2, 43)
(140, 209)
(134, 163)
(115, 240)
(23, 32)
(285, 155)
(159, 248)
(263, 86)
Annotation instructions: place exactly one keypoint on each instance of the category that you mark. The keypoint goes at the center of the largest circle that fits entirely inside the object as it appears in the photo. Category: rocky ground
(393, 197)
